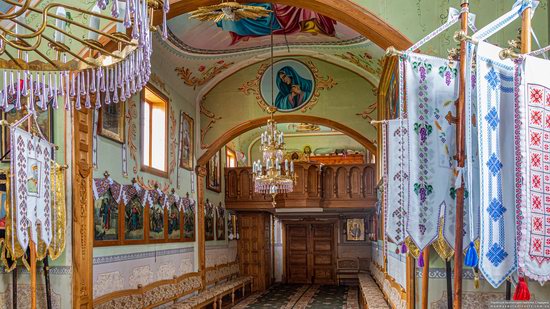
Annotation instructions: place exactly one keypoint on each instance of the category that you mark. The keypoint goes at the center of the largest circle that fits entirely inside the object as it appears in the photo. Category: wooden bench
(152, 295)
(370, 295)
(221, 281)
(347, 268)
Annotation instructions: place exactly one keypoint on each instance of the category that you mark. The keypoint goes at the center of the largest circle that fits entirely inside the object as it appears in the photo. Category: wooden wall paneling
(310, 252)
(254, 247)
(297, 247)
(356, 183)
(323, 254)
(245, 183)
(82, 210)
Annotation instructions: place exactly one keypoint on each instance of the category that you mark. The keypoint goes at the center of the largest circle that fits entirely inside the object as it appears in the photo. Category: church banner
(431, 93)
(396, 194)
(495, 101)
(533, 166)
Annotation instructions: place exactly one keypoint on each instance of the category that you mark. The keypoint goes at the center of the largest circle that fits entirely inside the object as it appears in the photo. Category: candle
(277, 166)
(19, 29)
(61, 24)
(94, 24)
(286, 165)
(292, 166)
(120, 27)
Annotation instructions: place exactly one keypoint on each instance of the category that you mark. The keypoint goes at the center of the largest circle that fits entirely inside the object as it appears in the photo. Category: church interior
(274, 154)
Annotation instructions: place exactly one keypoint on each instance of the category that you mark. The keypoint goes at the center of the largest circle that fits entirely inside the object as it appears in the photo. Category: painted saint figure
(105, 212)
(133, 217)
(294, 90)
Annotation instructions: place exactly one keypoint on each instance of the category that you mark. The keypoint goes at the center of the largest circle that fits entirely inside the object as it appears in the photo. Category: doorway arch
(345, 11)
(258, 122)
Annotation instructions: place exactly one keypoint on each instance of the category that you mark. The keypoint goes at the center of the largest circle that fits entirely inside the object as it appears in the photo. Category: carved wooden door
(310, 253)
(322, 253)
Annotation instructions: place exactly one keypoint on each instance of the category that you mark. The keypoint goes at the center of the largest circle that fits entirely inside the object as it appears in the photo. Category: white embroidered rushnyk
(431, 92)
(397, 199)
(533, 135)
(31, 163)
(495, 111)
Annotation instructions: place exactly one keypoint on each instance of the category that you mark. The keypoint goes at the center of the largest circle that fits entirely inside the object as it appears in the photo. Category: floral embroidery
(448, 73)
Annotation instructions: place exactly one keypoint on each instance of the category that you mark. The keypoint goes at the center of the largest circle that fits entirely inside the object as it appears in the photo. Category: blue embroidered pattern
(492, 78)
(496, 254)
(496, 209)
(494, 165)
(496, 243)
(492, 118)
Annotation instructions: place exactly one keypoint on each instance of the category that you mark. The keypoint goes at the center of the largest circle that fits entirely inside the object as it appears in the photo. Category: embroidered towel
(31, 160)
(533, 166)
(495, 102)
(396, 199)
(431, 92)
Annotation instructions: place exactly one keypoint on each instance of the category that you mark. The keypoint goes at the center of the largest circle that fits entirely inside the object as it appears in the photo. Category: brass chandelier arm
(59, 47)
(45, 15)
(13, 59)
(21, 46)
(24, 8)
(110, 36)
(83, 42)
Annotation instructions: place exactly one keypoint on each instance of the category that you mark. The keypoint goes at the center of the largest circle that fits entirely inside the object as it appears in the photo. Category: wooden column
(82, 216)
(32, 258)
(201, 247)
(526, 31)
(460, 158)
(411, 277)
(425, 277)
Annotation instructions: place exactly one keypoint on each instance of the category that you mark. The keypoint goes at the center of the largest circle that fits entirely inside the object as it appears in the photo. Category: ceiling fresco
(290, 25)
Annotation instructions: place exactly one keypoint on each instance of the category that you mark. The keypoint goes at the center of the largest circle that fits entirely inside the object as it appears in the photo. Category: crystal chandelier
(273, 179)
(57, 55)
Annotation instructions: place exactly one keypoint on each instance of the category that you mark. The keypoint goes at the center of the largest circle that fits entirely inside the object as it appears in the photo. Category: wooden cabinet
(254, 247)
(310, 253)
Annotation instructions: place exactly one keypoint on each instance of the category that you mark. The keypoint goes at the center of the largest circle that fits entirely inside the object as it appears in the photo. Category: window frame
(230, 153)
(146, 168)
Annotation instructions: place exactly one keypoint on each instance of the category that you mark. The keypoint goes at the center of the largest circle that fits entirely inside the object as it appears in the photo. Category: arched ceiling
(292, 26)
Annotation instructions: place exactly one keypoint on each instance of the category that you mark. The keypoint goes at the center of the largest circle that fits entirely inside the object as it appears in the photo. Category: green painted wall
(351, 95)
(318, 144)
(416, 18)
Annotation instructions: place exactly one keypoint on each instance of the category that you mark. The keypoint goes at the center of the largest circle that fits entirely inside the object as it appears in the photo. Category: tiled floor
(288, 296)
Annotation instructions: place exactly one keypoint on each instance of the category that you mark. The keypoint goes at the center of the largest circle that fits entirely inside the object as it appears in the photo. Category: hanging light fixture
(229, 10)
(37, 59)
(273, 179)
(278, 175)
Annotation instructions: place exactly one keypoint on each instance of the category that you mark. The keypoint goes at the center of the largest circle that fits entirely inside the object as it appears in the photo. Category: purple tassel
(403, 248)
(421, 260)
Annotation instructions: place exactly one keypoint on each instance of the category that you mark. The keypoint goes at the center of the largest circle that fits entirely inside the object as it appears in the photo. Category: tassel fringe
(522, 290)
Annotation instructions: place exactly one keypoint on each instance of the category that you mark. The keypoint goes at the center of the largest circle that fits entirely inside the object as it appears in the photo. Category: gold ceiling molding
(232, 11)
(252, 87)
(161, 85)
(210, 115)
(152, 184)
(172, 129)
(205, 74)
(365, 62)
(132, 114)
(367, 113)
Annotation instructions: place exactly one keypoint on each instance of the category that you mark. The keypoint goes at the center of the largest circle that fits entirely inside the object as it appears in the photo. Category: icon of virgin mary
(294, 90)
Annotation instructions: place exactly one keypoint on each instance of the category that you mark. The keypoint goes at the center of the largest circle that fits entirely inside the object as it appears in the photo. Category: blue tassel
(471, 258)
(403, 248)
